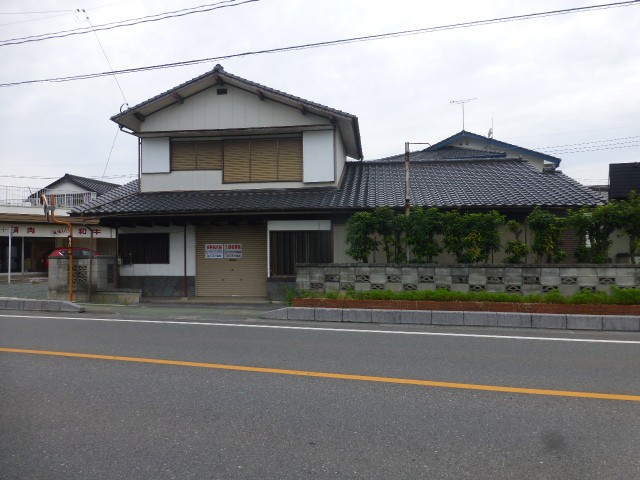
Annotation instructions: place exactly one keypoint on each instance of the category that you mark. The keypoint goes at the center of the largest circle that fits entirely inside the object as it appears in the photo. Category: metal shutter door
(223, 277)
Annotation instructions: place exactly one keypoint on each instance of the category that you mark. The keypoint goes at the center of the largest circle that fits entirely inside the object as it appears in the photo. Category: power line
(587, 143)
(613, 146)
(593, 146)
(126, 23)
(36, 13)
(105, 56)
(331, 43)
(33, 20)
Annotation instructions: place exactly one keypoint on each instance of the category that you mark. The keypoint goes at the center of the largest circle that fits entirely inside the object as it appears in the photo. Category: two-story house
(230, 174)
(238, 182)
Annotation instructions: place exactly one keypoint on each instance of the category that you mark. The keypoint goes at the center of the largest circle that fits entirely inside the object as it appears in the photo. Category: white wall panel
(155, 155)
(237, 109)
(298, 225)
(341, 155)
(318, 156)
(175, 267)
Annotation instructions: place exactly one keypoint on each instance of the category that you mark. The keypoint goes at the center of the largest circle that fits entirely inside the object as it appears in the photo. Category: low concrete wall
(471, 319)
(160, 286)
(103, 276)
(28, 304)
(524, 279)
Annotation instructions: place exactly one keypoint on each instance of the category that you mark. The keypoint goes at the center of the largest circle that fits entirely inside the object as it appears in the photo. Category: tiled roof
(89, 184)
(493, 145)
(488, 183)
(444, 153)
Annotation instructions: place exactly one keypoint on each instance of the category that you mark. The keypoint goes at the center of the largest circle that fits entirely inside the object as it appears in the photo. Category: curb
(28, 304)
(626, 323)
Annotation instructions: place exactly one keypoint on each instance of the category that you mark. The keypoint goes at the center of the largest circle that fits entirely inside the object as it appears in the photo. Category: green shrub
(617, 296)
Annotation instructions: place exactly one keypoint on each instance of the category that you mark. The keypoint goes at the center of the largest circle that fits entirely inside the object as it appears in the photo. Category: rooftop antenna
(462, 102)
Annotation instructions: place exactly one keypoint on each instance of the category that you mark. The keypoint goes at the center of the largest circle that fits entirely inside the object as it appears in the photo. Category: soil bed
(470, 306)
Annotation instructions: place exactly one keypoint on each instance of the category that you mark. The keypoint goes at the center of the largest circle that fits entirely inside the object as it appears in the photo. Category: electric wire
(127, 23)
(593, 146)
(328, 43)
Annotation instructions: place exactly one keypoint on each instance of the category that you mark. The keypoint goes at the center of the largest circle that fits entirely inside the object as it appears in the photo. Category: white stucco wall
(237, 109)
(155, 155)
(318, 156)
(175, 267)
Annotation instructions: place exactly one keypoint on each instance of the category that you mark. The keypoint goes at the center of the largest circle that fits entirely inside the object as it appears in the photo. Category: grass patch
(616, 296)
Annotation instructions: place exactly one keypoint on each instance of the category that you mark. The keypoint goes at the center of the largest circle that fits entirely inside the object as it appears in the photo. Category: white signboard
(223, 250)
(232, 250)
(213, 250)
(55, 230)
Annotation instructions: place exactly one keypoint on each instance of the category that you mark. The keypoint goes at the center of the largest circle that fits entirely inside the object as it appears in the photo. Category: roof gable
(347, 124)
(491, 144)
(83, 183)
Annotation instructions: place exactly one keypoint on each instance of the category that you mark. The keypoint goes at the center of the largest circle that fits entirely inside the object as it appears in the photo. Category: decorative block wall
(103, 274)
(524, 279)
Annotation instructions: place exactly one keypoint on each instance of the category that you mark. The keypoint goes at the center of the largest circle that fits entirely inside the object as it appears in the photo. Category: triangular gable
(133, 118)
(81, 183)
(463, 138)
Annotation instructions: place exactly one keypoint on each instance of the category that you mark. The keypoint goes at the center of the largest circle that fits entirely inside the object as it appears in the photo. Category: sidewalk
(33, 297)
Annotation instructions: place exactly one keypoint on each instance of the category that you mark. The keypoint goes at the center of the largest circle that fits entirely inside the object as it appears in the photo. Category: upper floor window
(199, 155)
(242, 161)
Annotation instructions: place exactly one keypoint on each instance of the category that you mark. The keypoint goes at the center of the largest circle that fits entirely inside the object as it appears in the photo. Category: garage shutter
(225, 277)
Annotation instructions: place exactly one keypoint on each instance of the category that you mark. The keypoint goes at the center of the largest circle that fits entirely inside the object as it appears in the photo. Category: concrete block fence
(103, 275)
(523, 279)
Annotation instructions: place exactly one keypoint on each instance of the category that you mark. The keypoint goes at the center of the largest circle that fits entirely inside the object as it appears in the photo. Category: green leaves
(547, 228)
(471, 237)
(361, 228)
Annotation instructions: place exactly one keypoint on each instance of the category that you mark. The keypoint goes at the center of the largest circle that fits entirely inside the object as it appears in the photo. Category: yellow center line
(340, 376)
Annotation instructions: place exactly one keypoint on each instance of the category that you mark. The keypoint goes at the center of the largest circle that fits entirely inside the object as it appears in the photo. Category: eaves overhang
(347, 124)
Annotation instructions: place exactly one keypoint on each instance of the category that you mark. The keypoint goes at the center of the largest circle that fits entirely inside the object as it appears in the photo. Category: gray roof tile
(500, 183)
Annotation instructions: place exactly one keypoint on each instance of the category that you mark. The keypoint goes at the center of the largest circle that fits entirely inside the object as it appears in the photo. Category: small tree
(547, 228)
(627, 213)
(360, 236)
(391, 226)
(422, 228)
(472, 237)
(516, 250)
(595, 225)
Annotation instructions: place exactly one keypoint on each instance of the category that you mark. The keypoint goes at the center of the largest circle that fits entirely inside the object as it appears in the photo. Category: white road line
(329, 329)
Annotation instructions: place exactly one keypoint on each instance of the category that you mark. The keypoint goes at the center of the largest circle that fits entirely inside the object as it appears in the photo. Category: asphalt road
(260, 400)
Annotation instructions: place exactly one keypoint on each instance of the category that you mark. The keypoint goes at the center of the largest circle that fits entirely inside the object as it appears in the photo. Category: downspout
(90, 259)
(117, 279)
(69, 241)
(185, 285)
(139, 164)
(9, 255)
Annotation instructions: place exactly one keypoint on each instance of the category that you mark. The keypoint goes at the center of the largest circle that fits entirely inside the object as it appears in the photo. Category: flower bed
(469, 306)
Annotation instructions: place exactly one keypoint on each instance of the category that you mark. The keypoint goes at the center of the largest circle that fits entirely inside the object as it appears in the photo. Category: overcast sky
(567, 85)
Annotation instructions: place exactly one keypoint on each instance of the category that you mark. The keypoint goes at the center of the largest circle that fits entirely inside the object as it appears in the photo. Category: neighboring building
(623, 179)
(239, 182)
(24, 226)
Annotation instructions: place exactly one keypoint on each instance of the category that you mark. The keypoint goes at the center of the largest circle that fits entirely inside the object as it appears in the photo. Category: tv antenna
(462, 102)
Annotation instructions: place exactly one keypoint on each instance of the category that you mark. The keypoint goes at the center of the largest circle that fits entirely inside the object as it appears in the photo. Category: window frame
(290, 247)
(149, 248)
